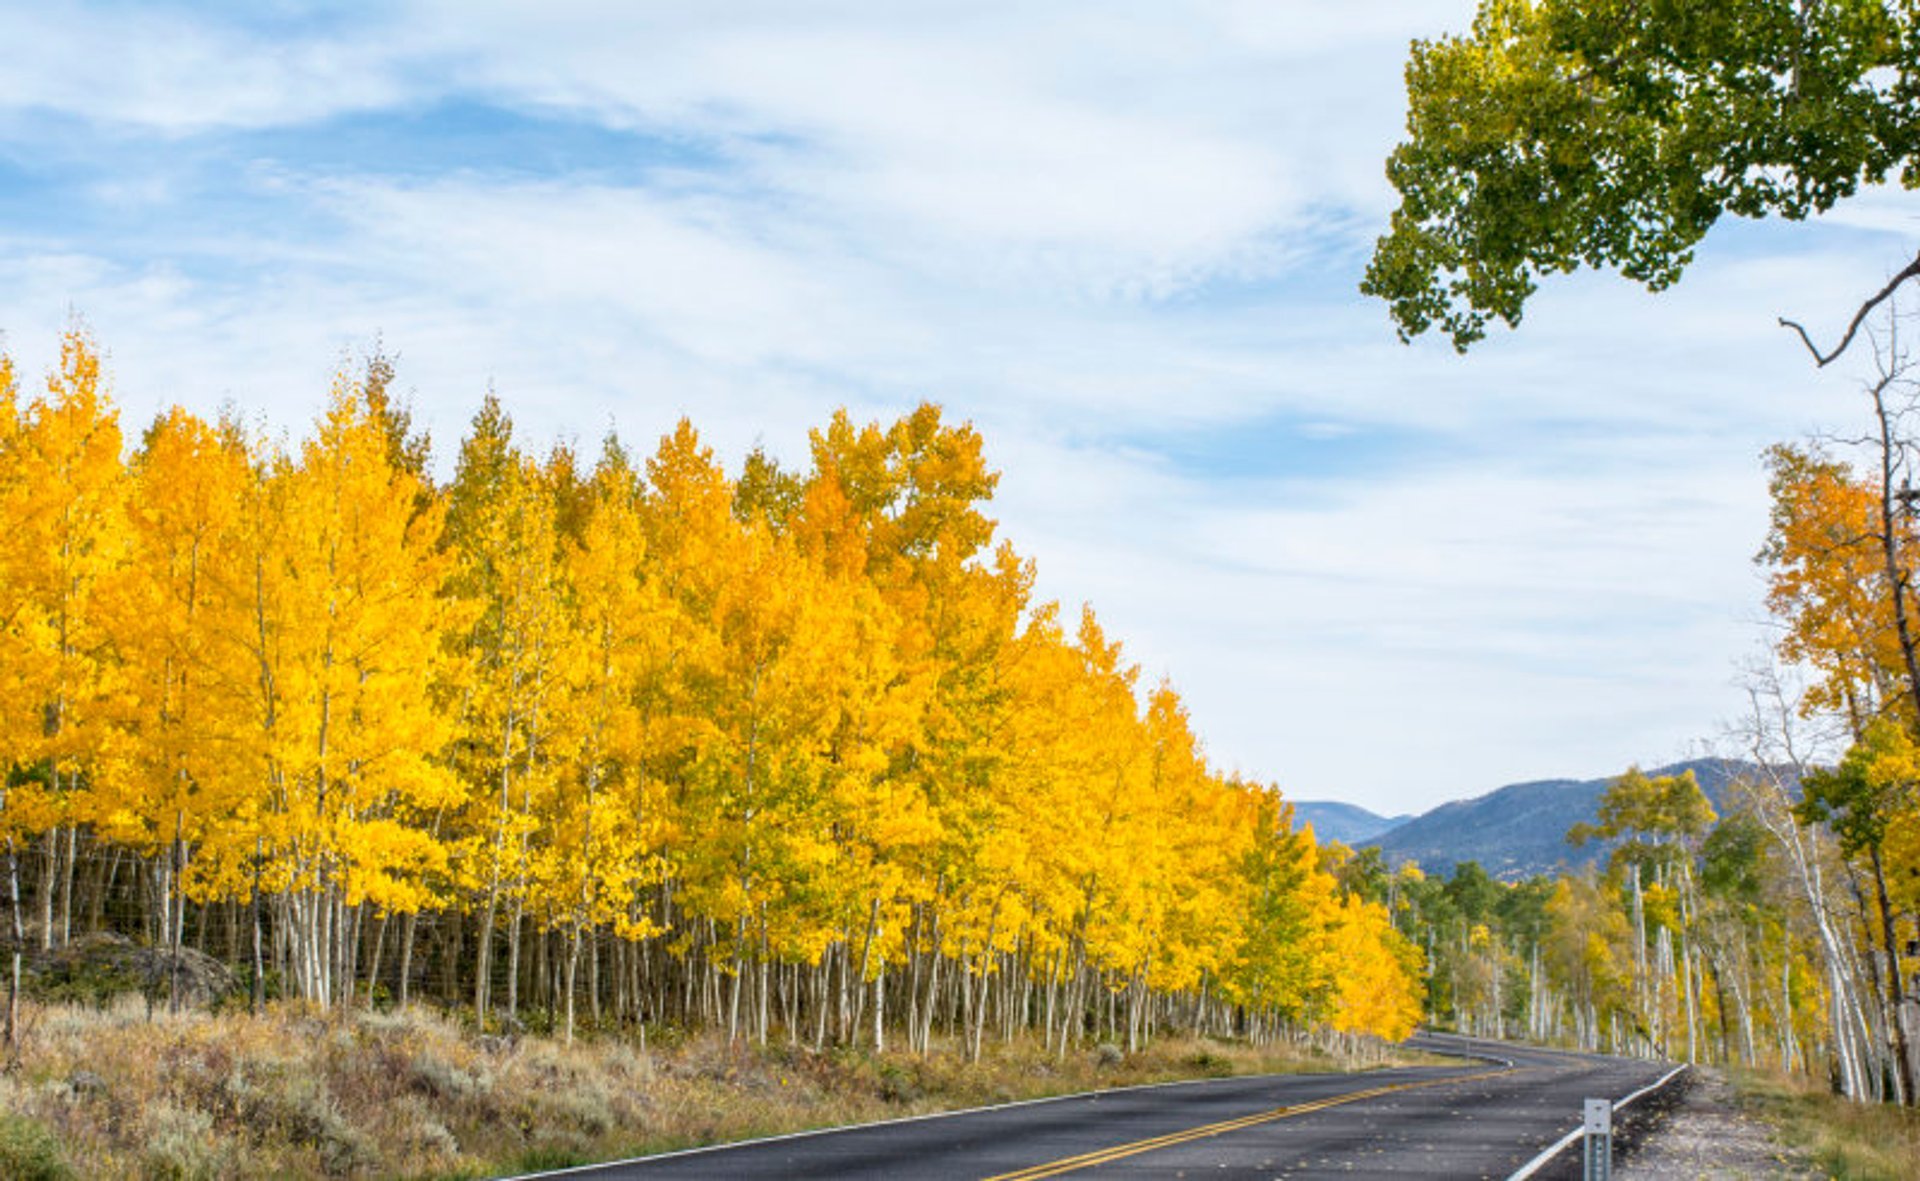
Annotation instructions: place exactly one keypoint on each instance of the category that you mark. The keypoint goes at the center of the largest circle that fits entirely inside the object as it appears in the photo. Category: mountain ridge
(1515, 831)
(1350, 824)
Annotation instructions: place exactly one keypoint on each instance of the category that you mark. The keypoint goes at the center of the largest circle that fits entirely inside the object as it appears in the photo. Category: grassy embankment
(1851, 1141)
(112, 1092)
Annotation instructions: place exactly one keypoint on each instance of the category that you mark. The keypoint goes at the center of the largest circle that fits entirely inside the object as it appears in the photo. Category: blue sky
(1122, 239)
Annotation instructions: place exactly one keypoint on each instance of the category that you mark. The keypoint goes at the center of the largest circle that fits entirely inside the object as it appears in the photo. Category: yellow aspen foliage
(754, 841)
(65, 502)
(19, 711)
(1584, 948)
(174, 621)
(1376, 981)
(609, 817)
(351, 726)
(503, 533)
(1202, 830)
(792, 746)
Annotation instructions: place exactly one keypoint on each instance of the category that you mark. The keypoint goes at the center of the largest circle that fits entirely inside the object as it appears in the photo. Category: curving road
(1485, 1118)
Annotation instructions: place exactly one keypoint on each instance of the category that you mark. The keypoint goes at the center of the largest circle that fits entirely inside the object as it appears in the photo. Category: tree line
(789, 753)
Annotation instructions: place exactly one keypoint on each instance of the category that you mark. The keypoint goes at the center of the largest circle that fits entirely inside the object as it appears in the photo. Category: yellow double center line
(1087, 1160)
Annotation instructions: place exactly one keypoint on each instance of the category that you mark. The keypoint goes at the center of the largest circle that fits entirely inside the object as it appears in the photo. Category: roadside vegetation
(303, 1092)
(1850, 1141)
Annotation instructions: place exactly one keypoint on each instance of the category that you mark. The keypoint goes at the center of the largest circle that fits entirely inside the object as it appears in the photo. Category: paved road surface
(1480, 1119)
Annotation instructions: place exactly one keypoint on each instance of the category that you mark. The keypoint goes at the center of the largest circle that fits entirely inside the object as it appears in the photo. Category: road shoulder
(1698, 1129)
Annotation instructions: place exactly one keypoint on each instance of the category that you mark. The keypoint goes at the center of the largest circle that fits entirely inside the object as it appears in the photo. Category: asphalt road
(1480, 1119)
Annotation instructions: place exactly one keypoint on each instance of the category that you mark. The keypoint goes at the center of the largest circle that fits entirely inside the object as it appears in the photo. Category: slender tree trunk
(258, 998)
(18, 942)
(1896, 994)
(408, 929)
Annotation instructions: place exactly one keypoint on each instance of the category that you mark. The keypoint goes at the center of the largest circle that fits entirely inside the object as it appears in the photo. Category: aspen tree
(19, 712)
(354, 721)
(174, 623)
(67, 535)
(501, 527)
(604, 848)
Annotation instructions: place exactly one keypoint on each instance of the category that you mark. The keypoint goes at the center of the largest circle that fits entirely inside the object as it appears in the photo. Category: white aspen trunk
(66, 884)
(408, 929)
(573, 970)
(18, 941)
(49, 855)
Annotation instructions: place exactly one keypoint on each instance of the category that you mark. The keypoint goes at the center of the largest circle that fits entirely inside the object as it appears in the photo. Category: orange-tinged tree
(1827, 583)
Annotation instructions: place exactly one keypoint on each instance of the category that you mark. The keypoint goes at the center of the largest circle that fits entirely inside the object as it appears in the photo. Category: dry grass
(294, 1093)
(1853, 1141)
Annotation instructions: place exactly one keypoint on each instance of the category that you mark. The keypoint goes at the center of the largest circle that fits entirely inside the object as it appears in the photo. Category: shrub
(180, 1145)
(442, 1079)
(28, 1152)
(425, 1133)
(1212, 1065)
(896, 1085)
(584, 1105)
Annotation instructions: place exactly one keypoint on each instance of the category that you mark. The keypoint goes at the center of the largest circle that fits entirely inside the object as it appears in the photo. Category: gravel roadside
(1700, 1131)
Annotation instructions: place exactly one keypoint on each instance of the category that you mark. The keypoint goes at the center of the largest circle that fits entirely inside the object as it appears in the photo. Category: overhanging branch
(1821, 360)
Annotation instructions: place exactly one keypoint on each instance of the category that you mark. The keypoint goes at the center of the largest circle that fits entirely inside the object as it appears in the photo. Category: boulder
(103, 965)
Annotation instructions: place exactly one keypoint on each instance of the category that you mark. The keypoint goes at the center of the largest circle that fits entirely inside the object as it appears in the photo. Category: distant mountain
(1520, 830)
(1349, 824)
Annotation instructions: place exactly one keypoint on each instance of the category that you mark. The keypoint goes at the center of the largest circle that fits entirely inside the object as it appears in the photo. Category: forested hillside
(620, 739)
(1747, 933)
(1520, 830)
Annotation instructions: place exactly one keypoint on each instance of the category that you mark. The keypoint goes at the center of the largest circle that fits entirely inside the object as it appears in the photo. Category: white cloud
(176, 73)
(1110, 152)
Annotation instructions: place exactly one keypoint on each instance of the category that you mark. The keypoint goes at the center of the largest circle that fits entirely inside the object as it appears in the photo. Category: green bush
(1210, 1064)
(82, 982)
(28, 1152)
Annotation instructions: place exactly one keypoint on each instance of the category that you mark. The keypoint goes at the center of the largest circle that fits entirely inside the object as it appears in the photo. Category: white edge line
(1552, 1150)
(905, 1119)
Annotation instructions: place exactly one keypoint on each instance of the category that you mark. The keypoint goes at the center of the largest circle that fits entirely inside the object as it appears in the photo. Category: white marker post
(1598, 1141)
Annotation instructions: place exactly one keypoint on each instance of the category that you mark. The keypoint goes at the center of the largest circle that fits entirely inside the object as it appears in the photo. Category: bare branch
(1821, 360)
